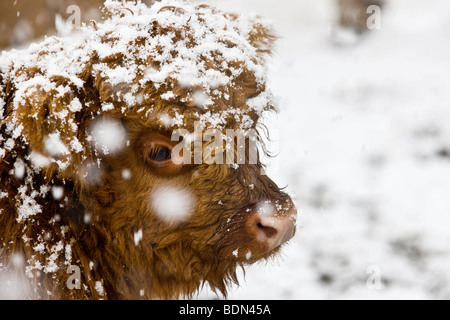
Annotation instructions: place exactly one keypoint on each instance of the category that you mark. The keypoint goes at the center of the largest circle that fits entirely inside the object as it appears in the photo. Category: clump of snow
(68, 254)
(168, 95)
(201, 99)
(47, 256)
(99, 288)
(54, 146)
(27, 205)
(75, 145)
(75, 105)
(2, 107)
(39, 161)
(107, 106)
(51, 263)
(172, 205)
(9, 144)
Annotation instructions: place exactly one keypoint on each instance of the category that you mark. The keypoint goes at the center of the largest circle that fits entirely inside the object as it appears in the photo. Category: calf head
(137, 130)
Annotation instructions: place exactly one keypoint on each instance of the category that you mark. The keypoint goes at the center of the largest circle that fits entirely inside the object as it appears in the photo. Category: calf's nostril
(268, 231)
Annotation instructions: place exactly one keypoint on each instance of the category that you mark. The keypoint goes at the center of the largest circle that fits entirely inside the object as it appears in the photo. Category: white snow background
(364, 141)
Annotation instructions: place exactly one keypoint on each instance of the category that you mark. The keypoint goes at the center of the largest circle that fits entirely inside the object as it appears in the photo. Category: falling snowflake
(109, 135)
(172, 204)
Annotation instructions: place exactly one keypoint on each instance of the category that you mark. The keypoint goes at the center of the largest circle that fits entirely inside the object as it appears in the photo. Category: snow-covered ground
(364, 141)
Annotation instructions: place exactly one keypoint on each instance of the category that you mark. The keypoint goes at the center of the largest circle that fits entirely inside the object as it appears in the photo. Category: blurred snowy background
(364, 148)
(364, 136)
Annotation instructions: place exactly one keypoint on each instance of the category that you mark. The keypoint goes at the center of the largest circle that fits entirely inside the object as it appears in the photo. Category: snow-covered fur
(69, 199)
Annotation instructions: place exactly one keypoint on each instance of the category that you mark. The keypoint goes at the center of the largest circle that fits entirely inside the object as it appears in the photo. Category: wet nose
(273, 230)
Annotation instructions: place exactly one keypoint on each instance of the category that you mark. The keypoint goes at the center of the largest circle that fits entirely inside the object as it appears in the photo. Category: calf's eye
(156, 151)
(159, 154)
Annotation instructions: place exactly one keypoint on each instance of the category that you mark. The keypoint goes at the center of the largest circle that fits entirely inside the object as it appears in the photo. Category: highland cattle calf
(94, 202)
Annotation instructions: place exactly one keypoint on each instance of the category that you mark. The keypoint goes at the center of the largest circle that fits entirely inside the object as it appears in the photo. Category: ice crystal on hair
(99, 288)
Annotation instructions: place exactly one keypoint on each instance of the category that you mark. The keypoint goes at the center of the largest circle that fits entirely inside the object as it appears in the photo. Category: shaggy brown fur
(170, 260)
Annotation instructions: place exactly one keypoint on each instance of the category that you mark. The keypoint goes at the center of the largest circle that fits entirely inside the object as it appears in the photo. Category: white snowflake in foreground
(172, 204)
(109, 135)
(57, 192)
(19, 169)
(54, 146)
(126, 174)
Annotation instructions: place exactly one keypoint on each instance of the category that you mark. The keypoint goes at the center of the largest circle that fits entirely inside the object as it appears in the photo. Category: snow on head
(193, 54)
(172, 205)
(201, 99)
(189, 46)
(39, 161)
